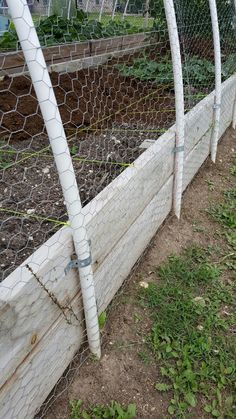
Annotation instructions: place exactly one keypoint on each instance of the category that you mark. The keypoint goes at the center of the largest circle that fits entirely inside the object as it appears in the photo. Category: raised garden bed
(13, 62)
(106, 120)
(133, 206)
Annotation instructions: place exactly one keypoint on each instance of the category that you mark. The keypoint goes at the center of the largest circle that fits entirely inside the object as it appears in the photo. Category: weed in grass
(74, 150)
(210, 184)
(137, 318)
(197, 228)
(114, 410)
(192, 334)
(225, 212)
(233, 170)
(102, 320)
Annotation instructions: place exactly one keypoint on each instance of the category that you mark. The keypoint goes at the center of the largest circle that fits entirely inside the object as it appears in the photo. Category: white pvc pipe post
(101, 11)
(68, 11)
(146, 13)
(87, 5)
(217, 101)
(49, 7)
(179, 104)
(114, 10)
(125, 9)
(31, 48)
(234, 110)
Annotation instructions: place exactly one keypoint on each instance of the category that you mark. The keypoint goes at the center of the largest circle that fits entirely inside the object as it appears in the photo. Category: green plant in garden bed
(57, 30)
(193, 334)
(114, 410)
(198, 72)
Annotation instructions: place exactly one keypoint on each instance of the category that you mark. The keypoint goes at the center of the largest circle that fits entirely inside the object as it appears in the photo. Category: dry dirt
(105, 117)
(121, 375)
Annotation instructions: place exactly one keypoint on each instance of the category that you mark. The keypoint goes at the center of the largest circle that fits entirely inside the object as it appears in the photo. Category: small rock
(200, 327)
(143, 284)
(45, 170)
(109, 156)
(200, 301)
(30, 211)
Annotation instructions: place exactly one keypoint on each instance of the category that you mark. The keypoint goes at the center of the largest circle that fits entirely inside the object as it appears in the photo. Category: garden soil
(105, 117)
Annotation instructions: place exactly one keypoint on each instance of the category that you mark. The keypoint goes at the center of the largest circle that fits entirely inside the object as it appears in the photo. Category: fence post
(31, 48)
(49, 8)
(179, 104)
(68, 11)
(125, 9)
(114, 9)
(101, 11)
(217, 100)
(146, 13)
(87, 5)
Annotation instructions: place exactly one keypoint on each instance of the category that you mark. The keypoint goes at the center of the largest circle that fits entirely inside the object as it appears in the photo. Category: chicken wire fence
(115, 95)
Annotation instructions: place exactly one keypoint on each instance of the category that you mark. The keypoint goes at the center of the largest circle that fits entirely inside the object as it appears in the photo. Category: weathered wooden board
(13, 62)
(200, 119)
(118, 264)
(22, 292)
(26, 310)
(120, 204)
(33, 378)
(134, 40)
(91, 61)
(37, 343)
(103, 46)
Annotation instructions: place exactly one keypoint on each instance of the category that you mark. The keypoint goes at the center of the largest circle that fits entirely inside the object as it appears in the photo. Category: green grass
(225, 214)
(193, 337)
(135, 21)
(113, 410)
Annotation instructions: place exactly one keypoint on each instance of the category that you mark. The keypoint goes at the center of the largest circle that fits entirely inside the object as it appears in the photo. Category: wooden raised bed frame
(37, 343)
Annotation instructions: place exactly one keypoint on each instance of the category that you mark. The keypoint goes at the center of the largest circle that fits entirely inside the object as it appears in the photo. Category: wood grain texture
(14, 63)
(38, 338)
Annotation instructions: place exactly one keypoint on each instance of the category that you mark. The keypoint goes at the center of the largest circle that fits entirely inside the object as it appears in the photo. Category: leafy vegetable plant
(57, 30)
(114, 410)
(198, 72)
